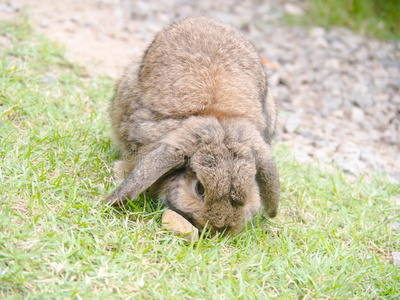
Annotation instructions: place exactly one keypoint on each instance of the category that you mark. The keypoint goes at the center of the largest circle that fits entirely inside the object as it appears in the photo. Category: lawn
(333, 238)
(374, 18)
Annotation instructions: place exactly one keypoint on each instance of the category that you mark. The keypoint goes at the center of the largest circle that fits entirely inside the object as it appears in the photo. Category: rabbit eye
(200, 189)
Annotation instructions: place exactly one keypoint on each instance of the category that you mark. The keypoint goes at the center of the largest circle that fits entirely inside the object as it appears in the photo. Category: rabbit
(194, 123)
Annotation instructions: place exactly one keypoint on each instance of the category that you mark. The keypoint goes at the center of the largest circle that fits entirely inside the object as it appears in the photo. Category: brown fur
(198, 109)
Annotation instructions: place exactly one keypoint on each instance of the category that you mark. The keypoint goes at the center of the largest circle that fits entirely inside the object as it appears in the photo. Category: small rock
(333, 64)
(374, 134)
(293, 10)
(75, 19)
(273, 79)
(317, 32)
(283, 93)
(307, 134)
(394, 225)
(354, 167)
(227, 18)
(50, 78)
(367, 154)
(70, 26)
(292, 123)
(177, 224)
(118, 12)
(90, 24)
(338, 113)
(396, 258)
(357, 115)
(301, 156)
(361, 98)
(44, 23)
(361, 54)
(390, 135)
(321, 143)
(395, 176)
(329, 103)
(321, 42)
(350, 150)
(338, 46)
(396, 98)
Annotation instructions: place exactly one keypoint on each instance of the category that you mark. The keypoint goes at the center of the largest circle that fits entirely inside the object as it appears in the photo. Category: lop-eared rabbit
(194, 122)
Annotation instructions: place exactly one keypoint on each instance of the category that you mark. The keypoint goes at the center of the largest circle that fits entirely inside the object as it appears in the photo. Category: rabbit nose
(223, 228)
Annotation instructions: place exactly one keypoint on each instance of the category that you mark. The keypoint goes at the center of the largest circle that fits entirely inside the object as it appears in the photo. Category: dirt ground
(95, 33)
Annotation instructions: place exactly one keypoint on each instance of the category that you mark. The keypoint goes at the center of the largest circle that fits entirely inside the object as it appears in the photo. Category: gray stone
(390, 135)
(396, 98)
(350, 150)
(292, 123)
(362, 99)
(292, 9)
(75, 19)
(357, 115)
(394, 225)
(329, 104)
(283, 93)
(45, 22)
(273, 79)
(50, 78)
(362, 54)
(396, 258)
(354, 167)
(323, 155)
(307, 134)
(338, 45)
(333, 63)
(233, 19)
(317, 32)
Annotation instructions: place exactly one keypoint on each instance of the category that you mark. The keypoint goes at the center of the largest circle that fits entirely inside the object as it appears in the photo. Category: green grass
(376, 18)
(332, 238)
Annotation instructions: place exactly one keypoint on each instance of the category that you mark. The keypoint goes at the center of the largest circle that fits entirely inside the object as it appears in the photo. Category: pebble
(292, 123)
(317, 32)
(357, 115)
(292, 9)
(45, 23)
(394, 225)
(50, 78)
(75, 19)
(396, 258)
(177, 224)
(283, 93)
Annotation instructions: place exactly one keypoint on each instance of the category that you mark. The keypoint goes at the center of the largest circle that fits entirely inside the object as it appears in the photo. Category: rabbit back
(202, 67)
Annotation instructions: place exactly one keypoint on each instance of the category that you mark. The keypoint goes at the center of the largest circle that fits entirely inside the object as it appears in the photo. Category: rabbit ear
(268, 180)
(172, 153)
(147, 171)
